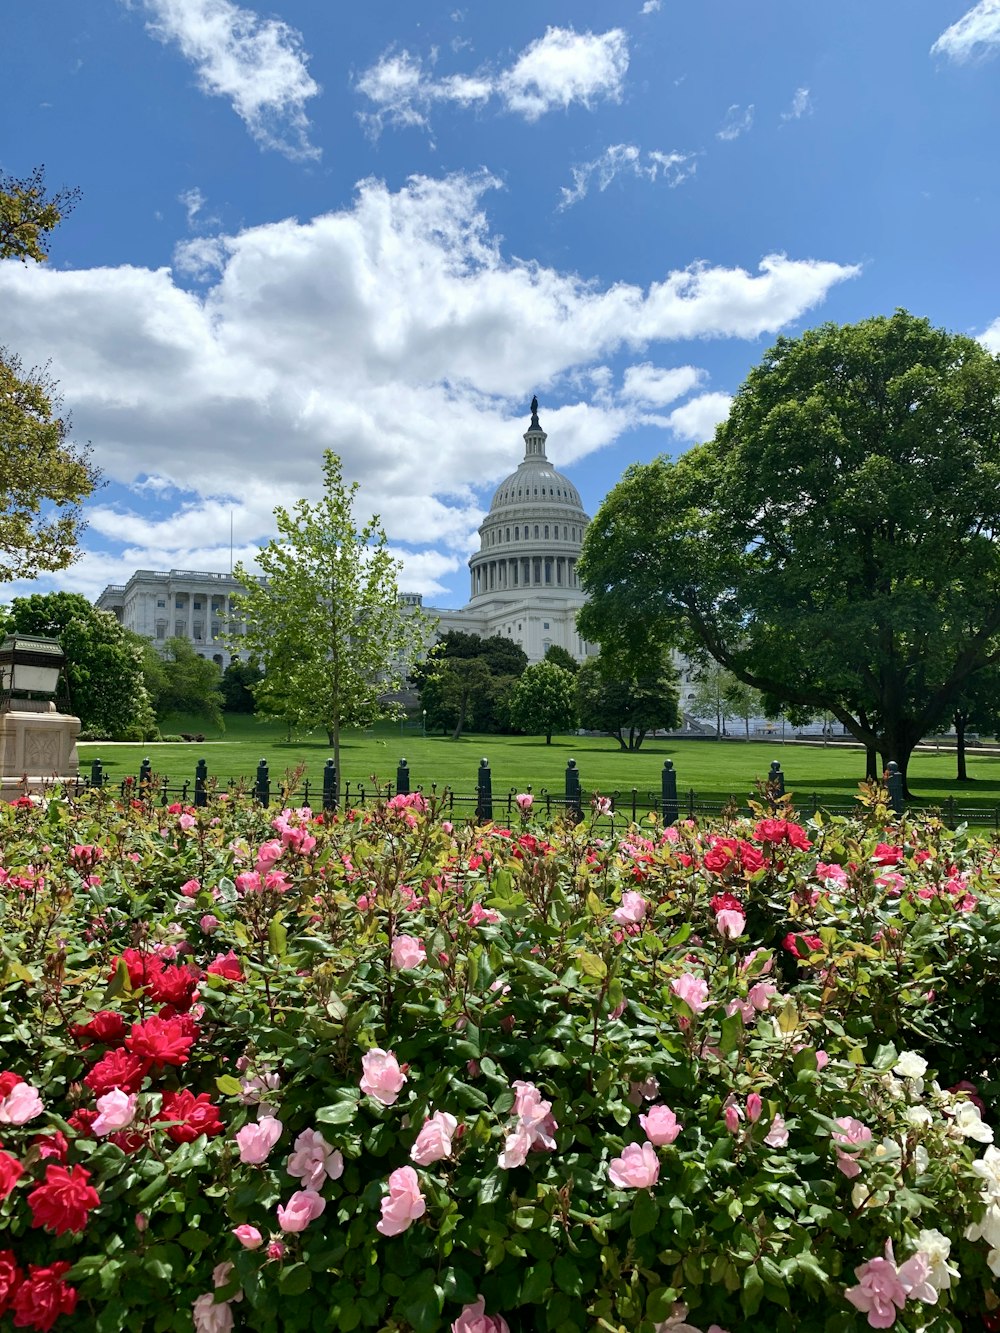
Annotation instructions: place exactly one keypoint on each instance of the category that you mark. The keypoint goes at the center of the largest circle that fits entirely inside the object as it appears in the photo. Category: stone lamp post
(37, 743)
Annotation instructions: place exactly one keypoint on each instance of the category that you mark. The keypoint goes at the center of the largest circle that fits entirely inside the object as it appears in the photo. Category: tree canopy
(610, 698)
(325, 622)
(103, 661)
(182, 681)
(43, 476)
(837, 544)
(466, 681)
(544, 701)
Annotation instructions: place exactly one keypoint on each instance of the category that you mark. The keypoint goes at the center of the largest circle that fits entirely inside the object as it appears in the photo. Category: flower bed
(271, 1072)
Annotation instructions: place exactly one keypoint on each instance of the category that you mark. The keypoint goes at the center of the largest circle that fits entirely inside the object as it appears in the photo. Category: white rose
(969, 1123)
(910, 1065)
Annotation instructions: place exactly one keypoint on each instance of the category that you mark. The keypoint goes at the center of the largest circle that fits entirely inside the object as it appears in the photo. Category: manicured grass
(715, 770)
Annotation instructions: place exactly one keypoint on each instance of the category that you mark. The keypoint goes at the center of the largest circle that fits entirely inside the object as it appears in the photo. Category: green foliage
(103, 662)
(28, 215)
(237, 686)
(719, 694)
(182, 681)
(457, 694)
(558, 655)
(325, 622)
(556, 957)
(610, 698)
(544, 701)
(836, 545)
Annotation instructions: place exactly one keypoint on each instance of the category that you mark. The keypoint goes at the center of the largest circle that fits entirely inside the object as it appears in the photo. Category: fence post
(96, 773)
(262, 787)
(145, 773)
(776, 779)
(484, 792)
(668, 792)
(574, 799)
(402, 779)
(200, 780)
(329, 786)
(894, 781)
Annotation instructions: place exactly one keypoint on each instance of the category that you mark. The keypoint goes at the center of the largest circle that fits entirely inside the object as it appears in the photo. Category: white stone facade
(179, 603)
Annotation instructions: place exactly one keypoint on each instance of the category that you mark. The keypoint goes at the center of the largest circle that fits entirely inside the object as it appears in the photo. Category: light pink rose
(209, 924)
(276, 1249)
(661, 1125)
(116, 1110)
(408, 951)
(729, 923)
(474, 1319)
(914, 1274)
(879, 1294)
(534, 1113)
(381, 1076)
(302, 1208)
(222, 1275)
(692, 990)
(20, 1105)
(754, 1108)
(434, 1140)
(249, 1237)
(187, 822)
(733, 1115)
(760, 995)
(403, 1204)
(314, 1160)
(191, 888)
(256, 1140)
(524, 803)
(822, 1060)
(637, 1169)
(777, 1135)
(646, 1091)
(516, 1147)
(211, 1316)
(633, 909)
(852, 1134)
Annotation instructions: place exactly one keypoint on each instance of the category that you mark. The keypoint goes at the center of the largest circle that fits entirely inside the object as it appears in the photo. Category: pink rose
(257, 1140)
(209, 924)
(852, 1134)
(314, 1160)
(692, 990)
(403, 1204)
(276, 1249)
(632, 910)
(516, 1147)
(434, 1140)
(116, 1109)
(191, 888)
(760, 995)
(267, 854)
(302, 1208)
(638, 1167)
(408, 951)
(879, 1294)
(210, 1316)
(524, 803)
(381, 1076)
(733, 1115)
(187, 822)
(777, 1135)
(754, 1108)
(730, 923)
(646, 1091)
(660, 1124)
(249, 1237)
(20, 1105)
(474, 1319)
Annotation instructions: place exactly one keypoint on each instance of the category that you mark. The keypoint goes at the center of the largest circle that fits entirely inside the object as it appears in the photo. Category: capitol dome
(530, 539)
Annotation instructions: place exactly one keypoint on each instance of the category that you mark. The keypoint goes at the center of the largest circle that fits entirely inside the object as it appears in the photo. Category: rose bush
(281, 1071)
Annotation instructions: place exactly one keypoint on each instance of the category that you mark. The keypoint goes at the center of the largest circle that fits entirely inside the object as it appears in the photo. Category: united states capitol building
(523, 578)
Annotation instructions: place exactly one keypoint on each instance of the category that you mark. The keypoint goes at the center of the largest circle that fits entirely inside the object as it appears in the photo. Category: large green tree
(327, 614)
(103, 661)
(544, 701)
(43, 476)
(611, 698)
(837, 545)
(456, 694)
(181, 681)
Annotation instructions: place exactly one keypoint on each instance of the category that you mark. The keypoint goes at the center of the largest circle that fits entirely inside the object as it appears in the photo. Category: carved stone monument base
(37, 748)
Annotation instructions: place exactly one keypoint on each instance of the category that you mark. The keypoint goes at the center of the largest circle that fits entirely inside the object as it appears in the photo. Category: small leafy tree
(544, 701)
(611, 698)
(556, 653)
(182, 681)
(238, 681)
(440, 681)
(327, 616)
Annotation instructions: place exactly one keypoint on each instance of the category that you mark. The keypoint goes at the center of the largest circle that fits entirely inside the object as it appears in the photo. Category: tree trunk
(962, 774)
(462, 709)
(548, 738)
(872, 771)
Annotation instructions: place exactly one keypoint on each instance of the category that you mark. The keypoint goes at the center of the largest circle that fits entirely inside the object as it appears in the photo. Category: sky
(380, 228)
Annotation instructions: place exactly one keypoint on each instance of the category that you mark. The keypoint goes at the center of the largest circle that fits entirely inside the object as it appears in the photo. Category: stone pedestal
(38, 745)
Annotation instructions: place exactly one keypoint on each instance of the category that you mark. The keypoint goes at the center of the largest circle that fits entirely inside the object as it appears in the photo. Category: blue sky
(381, 228)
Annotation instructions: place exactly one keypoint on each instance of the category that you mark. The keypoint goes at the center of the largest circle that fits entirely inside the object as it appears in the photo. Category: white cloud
(193, 201)
(738, 121)
(258, 64)
(990, 338)
(696, 420)
(651, 7)
(801, 105)
(629, 159)
(395, 332)
(654, 386)
(975, 33)
(557, 70)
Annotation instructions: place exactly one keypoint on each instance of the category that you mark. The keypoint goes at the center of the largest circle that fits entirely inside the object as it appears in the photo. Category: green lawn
(714, 770)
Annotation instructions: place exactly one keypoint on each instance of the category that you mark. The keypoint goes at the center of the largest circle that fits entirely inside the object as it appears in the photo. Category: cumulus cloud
(628, 159)
(556, 70)
(990, 338)
(651, 7)
(258, 64)
(738, 121)
(655, 386)
(696, 420)
(395, 331)
(801, 105)
(976, 33)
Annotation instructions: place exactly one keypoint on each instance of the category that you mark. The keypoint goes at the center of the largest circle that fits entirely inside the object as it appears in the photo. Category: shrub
(662, 1078)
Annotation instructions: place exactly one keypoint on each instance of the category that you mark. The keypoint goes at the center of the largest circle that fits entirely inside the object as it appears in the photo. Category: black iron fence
(483, 802)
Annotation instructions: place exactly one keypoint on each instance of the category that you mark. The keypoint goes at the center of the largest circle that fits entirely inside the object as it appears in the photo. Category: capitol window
(546, 532)
(517, 534)
(536, 531)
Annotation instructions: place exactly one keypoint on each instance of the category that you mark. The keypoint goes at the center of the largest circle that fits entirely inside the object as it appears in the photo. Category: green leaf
(645, 1214)
(537, 1281)
(732, 1031)
(294, 1280)
(229, 1086)
(340, 1113)
(753, 1291)
(277, 937)
(592, 966)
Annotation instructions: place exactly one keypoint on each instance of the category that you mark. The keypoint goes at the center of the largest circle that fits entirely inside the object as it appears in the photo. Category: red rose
(116, 1069)
(8, 1082)
(751, 858)
(10, 1279)
(105, 1027)
(196, 1114)
(770, 830)
(726, 902)
(161, 1041)
(141, 967)
(129, 1140)
(11, 1172)
(82, 1120)
(51, 1145)
(64, 1201)
(887, 855)
(796, 836)
(175, 986)
(810, 944)
(43, 1296)
(226, 965)
(717, 858)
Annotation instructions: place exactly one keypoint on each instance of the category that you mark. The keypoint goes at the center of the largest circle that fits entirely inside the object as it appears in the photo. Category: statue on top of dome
(534, 414)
